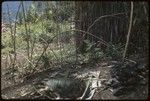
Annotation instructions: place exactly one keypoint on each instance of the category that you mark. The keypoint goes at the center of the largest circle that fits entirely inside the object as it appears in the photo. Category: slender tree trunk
(27, 35)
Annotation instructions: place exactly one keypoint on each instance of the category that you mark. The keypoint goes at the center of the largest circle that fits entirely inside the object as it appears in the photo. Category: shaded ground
(25, 89)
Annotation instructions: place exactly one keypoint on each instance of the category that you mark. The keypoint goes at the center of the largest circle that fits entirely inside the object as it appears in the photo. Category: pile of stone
(126, 76)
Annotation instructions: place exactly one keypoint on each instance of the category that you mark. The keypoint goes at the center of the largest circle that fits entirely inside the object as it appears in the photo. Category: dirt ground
(24, 89)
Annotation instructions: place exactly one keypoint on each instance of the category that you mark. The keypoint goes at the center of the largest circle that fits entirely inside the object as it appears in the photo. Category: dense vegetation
(72, 34)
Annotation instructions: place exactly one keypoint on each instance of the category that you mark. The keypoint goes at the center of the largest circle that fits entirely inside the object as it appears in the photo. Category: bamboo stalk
(129, 31)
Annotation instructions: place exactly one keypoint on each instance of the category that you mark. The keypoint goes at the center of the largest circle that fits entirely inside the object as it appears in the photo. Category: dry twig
(40, 92)
(101, 17)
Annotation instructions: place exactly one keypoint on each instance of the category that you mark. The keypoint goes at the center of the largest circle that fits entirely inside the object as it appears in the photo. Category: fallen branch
(130, 60)
(40, 92)
(94, 89)
(86, 89)
(89, 98)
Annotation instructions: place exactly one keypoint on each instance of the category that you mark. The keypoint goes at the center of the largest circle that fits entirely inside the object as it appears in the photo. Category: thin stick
(129, 31)
(26, 30)
(104, 16)
(85, 32)
(130, 60)
(86, 89)
(14, 38)
(94, 88)
(40, 93)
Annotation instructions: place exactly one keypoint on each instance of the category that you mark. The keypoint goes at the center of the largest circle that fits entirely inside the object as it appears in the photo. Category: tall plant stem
(129, 31)
(27, 35)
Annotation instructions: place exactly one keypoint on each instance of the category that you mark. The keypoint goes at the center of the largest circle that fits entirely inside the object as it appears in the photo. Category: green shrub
(114, 51)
